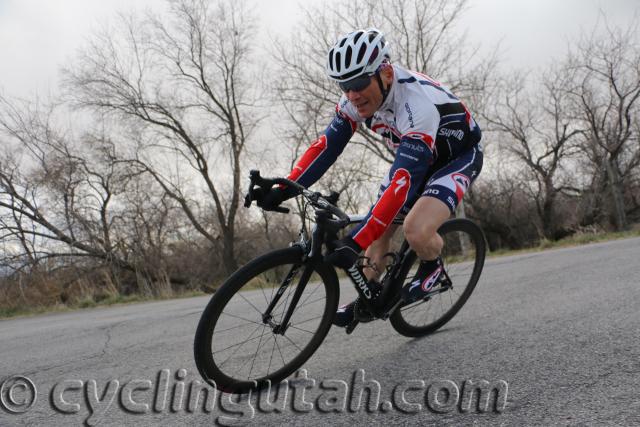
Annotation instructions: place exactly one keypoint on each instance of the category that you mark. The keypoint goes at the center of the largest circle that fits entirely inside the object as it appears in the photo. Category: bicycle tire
(400, 319)
(210, 365)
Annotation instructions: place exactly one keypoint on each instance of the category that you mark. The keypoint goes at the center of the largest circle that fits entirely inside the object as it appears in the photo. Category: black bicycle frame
(325, 231)
(391, 286)
(312, 257)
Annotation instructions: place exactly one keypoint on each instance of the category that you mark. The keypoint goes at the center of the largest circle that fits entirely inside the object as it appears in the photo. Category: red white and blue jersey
(423, 122)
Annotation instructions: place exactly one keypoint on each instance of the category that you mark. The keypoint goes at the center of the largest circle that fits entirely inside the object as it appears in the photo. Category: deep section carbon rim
(239, 347)
(463, 259)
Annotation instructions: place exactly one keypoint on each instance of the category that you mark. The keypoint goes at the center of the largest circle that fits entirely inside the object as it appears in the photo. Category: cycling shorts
(450, 182)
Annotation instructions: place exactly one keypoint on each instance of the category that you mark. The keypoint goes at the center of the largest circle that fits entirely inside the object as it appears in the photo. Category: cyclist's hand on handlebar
(271, 199)
(345, 254)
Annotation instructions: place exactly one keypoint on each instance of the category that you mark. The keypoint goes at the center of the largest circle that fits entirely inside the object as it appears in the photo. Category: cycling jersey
(427, 127)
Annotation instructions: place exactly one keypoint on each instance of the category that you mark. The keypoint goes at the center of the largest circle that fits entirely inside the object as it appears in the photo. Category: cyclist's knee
(421, 226)
(418, 230)
(417, 235)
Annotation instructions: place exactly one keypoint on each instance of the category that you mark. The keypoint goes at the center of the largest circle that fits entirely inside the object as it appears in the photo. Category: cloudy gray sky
(39, 36)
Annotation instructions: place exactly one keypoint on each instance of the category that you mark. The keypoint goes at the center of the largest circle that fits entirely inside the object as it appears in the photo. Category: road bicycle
(272, 314)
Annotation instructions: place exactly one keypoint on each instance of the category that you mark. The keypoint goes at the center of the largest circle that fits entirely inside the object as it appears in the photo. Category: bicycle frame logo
(359, 280)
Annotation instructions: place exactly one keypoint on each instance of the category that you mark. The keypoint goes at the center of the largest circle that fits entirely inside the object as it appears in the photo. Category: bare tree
(57, 197)
(534, 124)
(502, 207)
(185, 85)
(606, 96)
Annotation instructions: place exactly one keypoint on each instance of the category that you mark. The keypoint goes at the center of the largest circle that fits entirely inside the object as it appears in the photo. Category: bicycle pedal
(351, 326)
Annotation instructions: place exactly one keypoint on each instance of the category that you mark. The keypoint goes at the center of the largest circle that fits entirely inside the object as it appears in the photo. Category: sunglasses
(357, 84)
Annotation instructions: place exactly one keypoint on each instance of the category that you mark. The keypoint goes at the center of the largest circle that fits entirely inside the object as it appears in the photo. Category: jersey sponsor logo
(399, 184)
(415, 159)
(320, 142)
(414, 147)
(410, 114)
(461, 181)
(337, 121)
(427, 139)
(432, 191)
(456, 133)
(462, 184)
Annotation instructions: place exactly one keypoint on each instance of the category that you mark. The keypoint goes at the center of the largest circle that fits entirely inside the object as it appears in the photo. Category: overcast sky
(38, 36)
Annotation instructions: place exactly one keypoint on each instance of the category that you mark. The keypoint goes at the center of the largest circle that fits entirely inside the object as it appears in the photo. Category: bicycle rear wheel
(237, 348)
(463, 256)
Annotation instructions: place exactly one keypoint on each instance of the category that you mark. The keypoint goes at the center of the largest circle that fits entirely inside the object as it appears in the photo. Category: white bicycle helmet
(355, 54)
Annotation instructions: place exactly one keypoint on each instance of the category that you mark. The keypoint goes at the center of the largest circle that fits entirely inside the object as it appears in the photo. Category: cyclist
(438, 156)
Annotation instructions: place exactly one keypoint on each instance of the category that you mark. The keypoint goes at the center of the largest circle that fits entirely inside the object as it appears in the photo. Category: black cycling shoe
(429, 274)
(346, 314)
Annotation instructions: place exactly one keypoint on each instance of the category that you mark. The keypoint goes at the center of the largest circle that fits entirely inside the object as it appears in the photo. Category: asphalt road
(560, 328)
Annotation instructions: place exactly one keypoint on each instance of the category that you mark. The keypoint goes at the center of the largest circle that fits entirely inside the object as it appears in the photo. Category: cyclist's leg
(439, 200)
(376, 253)
(421, 226)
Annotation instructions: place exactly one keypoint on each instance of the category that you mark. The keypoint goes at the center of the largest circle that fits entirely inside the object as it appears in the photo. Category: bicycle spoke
(250, 303)
(308, 320)
(311, 302)
(289, 339)
(255, 355)
(305, 300)
(241, 318)
(272, 351)
(254, 359)
(240, 343)
(275, 339)
(265, 295)
(300, 329)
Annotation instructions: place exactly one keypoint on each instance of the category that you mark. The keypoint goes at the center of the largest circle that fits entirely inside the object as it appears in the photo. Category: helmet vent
(361, 53)
(338, 65)
(374, 55)
(348, 55)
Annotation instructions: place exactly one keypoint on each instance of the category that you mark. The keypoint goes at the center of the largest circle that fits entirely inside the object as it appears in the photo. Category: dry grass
(63, 291)
(39, 293)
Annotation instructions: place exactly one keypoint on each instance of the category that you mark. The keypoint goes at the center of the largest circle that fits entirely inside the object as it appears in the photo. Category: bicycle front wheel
(463, 256)
(240, 343)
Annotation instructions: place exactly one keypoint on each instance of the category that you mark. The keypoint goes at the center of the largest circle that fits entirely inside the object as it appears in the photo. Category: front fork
(312, 253)
(267, 317)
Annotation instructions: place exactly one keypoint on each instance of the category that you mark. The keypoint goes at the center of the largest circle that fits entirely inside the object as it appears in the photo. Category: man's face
(368, 100)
